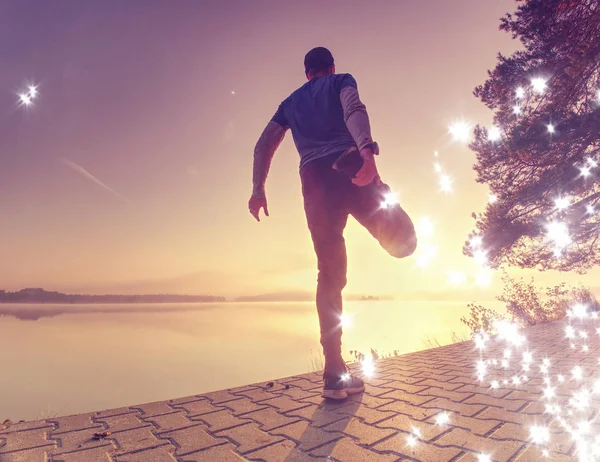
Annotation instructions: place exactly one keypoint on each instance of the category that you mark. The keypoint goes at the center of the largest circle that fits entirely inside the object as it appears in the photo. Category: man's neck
(322, 74)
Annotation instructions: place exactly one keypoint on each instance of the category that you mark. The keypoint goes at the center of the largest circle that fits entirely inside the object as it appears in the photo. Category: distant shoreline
(53, 302)
(44, 297)
(140, 302)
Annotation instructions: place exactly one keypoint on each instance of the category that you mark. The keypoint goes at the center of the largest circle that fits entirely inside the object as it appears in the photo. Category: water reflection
(80, 358)
(35, 312)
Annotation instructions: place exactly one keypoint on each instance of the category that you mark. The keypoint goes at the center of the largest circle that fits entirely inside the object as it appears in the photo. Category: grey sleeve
(355, 116)
(265, 148)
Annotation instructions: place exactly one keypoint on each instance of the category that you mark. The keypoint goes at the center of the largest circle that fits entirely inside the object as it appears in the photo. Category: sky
(132, 171)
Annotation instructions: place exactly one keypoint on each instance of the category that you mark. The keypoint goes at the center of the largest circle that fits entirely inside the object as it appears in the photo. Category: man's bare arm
(265, 148)
(356, 117)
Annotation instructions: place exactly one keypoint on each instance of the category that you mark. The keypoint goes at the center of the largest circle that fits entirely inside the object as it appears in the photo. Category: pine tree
(541, 157)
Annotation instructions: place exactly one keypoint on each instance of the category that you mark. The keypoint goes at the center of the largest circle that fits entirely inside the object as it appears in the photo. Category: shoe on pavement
(339, 386)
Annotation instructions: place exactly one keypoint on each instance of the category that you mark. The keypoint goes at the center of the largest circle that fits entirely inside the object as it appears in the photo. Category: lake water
(61, 360)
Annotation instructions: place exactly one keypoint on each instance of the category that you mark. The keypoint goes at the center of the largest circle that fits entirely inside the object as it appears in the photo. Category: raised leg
(390, 225)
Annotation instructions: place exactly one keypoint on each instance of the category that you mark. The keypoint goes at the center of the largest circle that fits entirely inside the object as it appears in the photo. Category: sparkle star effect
(27, 98)
(368, 366)
(460, 131)
(539, 84)
(497, 363)
(425, 227)
(480, 257)
(539, 435)
(446, 182)
(425, 255)
(585, 171)
(442, 419)
(484, 276)
(426, 251)
(494, 133)
(511, 367)
(562, 203)
(346, 320)
(475, 242)
(558, 233)
(389, 200)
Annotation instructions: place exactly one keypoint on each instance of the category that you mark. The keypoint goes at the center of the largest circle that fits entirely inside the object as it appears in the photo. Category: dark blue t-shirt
(315, 117)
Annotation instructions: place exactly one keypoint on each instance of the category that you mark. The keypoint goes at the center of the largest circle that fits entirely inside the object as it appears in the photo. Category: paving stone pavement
(396, 419)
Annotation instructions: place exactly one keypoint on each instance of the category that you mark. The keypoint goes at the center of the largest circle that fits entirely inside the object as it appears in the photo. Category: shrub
(528, 305)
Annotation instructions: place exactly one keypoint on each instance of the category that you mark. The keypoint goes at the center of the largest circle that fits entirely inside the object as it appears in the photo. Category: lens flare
(539, 435)
(425, 227)
(475, 242)
(346, 320)
(558, 232)
(562, 203)
(446, 182)
(460, 131)
(389, 200)
(494, 133)
(368, 366)
(571, 414)
(585, 171)
(539, 84)
(442, 419)
(425, 254)
(26, 98)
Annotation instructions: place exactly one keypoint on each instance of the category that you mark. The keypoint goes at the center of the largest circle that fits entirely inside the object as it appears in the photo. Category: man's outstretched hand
(368, 172)
(256, 202)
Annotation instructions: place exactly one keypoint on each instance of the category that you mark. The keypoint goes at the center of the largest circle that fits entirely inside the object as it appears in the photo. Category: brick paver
(424, 406)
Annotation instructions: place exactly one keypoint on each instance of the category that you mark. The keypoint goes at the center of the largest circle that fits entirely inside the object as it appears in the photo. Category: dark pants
(329, 197)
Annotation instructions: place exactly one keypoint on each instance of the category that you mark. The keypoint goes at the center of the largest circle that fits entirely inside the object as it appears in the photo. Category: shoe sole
(341, 394)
